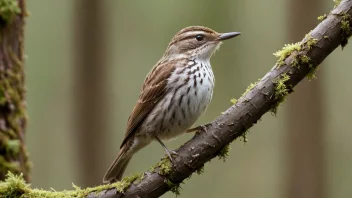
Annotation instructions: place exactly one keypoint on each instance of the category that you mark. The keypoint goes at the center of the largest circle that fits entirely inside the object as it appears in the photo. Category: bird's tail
(118, 167)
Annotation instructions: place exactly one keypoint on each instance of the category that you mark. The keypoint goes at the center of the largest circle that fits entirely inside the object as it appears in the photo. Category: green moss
(13, 147)
(152, 168)
(233, 100)
(9, 146)
(312, 70)
(286, 51)
(295, 63)
(281, 91)
(311, 42)
(175, 188)
(298, 60)
(120, 186)
(281, 88)
(249, 88)
(305, 59)
(36, 193)
(312, 73)
(224, 152)
(346, 29)
(165, 166)
(15, 186)
(8, 9)
(13, 115)
(2, 96)
(200, 170)
(244, 138)
(6, 165)
(337, 3)
(321, 18)
(126, 182)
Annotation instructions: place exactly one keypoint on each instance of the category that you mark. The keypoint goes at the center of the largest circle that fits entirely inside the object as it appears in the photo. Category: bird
(175, 93)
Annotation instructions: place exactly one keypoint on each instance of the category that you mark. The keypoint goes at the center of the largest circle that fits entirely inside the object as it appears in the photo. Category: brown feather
(153, 90)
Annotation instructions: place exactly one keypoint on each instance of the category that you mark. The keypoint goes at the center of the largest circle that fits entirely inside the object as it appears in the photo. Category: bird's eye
(199, 37)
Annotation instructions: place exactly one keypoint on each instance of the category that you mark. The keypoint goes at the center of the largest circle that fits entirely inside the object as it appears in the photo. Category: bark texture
(13, 155)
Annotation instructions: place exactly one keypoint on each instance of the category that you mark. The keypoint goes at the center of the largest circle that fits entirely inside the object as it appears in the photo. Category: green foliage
(8, 9)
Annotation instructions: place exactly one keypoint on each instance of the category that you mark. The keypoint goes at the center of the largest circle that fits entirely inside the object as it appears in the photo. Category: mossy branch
(13, 155)
(294, 64)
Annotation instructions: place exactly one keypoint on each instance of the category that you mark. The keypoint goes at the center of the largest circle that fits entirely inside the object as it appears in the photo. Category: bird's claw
(170, 154)
(198, 129)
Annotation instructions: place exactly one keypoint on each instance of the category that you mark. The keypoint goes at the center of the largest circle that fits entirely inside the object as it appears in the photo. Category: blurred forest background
(87, 61)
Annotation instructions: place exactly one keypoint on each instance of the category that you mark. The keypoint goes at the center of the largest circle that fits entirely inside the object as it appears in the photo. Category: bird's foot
(168, 152)
(171, 154)
(198, 129)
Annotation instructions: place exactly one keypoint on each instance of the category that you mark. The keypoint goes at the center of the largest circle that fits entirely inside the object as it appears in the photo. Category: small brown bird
(175, 93)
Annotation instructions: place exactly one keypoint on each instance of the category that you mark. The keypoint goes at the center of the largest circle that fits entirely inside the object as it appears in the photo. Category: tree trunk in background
(91, 112)
(13, 155)
(305, 126)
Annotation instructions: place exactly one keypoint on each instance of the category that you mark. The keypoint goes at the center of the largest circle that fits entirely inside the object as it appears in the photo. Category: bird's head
(196, 42)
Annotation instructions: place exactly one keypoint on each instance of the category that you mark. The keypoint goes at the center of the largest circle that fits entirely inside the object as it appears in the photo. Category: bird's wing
(153, 90)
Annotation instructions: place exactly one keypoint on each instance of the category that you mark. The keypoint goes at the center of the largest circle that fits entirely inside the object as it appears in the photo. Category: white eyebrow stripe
(194, 33)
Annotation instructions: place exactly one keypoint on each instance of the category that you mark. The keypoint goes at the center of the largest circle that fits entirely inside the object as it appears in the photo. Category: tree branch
(295, 63)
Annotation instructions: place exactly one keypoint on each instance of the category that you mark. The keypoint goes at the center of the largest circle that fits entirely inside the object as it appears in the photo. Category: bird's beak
(225, 36)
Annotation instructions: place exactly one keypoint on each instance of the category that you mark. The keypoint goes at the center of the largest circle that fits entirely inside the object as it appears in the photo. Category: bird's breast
(190, 91)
